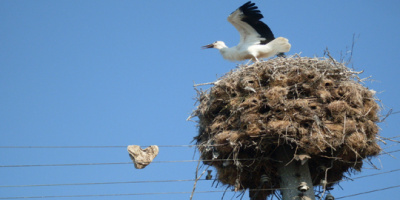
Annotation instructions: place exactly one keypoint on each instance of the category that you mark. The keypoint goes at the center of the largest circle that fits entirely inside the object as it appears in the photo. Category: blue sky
(115, 73)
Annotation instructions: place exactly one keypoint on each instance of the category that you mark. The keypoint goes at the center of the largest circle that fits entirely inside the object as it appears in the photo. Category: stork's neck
(221, 46)
(229, 53)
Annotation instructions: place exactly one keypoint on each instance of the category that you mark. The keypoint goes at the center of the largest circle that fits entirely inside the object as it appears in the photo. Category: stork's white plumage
(256, 38)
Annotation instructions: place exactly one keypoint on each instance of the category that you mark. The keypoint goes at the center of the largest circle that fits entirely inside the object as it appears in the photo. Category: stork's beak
(208, 46)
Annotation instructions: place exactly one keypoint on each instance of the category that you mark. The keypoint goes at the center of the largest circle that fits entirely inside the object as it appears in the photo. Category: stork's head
(216, 45)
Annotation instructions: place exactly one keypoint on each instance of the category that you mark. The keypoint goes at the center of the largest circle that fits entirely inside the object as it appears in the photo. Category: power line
(165, 193)
(58, 165)
(131, 194)
(120, 163)
(142, 181)
(395, 170)
(160, 181)
(120, 146)
(57, 147)
(173, 161)
(351, 195)
(116, 146)
(154, 181)
(99, 183)
(107, 195)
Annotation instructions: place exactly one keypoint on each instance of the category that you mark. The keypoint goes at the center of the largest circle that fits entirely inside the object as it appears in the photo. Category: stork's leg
(256, 60)
(248, 62)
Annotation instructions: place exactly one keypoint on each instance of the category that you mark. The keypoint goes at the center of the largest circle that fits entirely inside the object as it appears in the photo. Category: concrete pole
(293, 174)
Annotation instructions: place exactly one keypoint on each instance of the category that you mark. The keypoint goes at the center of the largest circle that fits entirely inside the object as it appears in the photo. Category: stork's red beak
(208, 46)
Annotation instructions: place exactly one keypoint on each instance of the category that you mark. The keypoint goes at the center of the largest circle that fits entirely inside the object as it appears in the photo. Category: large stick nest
(315, 105)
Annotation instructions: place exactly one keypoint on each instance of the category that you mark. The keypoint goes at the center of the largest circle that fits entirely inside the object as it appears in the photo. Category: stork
(256, 38)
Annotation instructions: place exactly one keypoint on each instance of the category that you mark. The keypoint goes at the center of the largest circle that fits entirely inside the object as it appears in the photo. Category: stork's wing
(246, 19)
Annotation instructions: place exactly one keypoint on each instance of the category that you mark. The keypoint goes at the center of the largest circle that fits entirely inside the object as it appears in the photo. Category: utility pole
(295, 177)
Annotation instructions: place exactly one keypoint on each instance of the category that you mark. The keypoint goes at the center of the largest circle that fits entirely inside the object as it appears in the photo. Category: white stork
(256, 38)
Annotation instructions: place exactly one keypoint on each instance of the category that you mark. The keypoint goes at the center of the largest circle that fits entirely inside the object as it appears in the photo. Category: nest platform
(316, 106)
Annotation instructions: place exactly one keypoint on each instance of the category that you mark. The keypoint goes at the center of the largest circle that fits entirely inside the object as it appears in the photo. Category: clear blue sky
(105, 73)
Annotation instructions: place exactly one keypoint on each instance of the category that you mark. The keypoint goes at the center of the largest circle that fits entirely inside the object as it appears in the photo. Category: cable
(56, 147)
(107, 195)
(172, 161)
(132, 194)
(165, 193)
(160, 181)
(100, 183)
(115, 146)
(58, 165)
(395, 170)
(81, 164)
(77, 147)
(351, 195)
(156, 181)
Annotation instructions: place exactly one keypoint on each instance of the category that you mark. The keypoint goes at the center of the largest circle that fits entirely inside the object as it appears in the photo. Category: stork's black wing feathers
(252, 16)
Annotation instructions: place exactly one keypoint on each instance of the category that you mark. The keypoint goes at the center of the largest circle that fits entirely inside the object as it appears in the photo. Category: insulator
(264, 179)
(329, 197)
(303, 187)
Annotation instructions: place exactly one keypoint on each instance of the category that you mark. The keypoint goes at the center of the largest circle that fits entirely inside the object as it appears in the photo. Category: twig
(387, 115)
(326, 180)
(209, 83)
(197, 178)
(294, 155)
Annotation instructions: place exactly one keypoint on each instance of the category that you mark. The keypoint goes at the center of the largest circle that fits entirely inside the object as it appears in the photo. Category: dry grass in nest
(312, 104)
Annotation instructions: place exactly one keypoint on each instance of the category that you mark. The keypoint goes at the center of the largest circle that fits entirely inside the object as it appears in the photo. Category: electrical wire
(395, 170)
(177, 161)
(377, 190)
(57, 147)
(131, 194)
(117, 146)
(158, 181)
(66, 165)
(165, 193)
(100, 183)
(173, 161)
(106, 195)
(120, 163)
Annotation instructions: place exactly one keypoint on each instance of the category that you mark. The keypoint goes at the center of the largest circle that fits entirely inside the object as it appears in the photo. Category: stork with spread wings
(256, 38)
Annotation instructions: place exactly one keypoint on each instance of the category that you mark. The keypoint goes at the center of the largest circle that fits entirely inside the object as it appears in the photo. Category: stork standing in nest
(256, 38)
